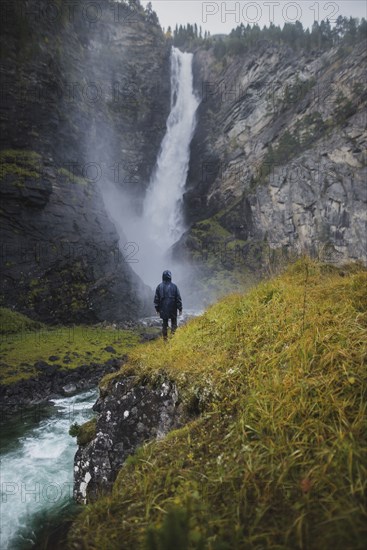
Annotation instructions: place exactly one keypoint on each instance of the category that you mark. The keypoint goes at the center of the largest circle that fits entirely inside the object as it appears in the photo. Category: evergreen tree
(315, 36)
(351, 32)
(362, 30)
(325, 34)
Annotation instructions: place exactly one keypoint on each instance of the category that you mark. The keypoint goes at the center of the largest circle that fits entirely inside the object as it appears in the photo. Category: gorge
(124, 153)
(276, 169)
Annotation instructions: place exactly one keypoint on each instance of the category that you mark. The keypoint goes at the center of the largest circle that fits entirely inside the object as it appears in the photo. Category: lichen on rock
(129, 414)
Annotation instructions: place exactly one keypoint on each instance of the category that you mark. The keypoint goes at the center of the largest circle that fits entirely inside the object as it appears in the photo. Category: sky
(219, 16)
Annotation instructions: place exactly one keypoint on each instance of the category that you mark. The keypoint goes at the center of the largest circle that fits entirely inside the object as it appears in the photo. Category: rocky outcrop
(278, 156)
(61, 258)
(53, 381)
(85, 96)
(129, 414)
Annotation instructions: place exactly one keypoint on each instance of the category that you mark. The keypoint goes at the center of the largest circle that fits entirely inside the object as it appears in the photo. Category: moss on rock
(18, 165)
(84, 433)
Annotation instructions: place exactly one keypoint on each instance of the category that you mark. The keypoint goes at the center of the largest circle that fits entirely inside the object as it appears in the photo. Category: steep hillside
(278, 162)
(274, 456)
(85, 98)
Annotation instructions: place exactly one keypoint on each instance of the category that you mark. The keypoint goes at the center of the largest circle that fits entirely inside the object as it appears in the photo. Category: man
(167, 301)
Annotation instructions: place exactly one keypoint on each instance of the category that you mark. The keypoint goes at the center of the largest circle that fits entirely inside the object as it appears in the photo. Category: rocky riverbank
(38, 362)
(52, 382)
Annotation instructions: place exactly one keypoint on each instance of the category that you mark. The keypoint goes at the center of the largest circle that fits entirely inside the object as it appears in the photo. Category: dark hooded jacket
(167, 299)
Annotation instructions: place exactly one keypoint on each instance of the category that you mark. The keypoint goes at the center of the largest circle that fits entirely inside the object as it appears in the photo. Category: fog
(145, 239)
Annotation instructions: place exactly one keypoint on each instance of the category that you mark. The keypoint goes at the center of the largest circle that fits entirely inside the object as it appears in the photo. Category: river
(37, 457)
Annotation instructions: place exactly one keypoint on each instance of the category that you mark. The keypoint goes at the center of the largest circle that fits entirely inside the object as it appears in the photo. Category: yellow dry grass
(277, 457)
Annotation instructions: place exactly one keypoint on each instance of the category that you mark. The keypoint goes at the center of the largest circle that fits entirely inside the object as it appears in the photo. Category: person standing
(167, 301)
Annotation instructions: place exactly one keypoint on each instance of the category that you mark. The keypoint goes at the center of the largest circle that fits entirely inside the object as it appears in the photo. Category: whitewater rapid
(37, 467)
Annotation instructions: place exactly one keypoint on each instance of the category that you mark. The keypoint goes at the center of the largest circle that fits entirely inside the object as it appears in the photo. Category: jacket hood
(167, 276)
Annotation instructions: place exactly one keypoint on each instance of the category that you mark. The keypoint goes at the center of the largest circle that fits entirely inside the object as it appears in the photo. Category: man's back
(167, 299)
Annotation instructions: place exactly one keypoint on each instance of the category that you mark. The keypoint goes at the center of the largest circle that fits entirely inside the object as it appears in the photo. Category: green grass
(277, 457)
(12, 321)
(81, 345)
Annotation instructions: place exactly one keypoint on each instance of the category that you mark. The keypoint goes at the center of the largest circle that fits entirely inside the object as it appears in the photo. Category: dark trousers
(173, 326)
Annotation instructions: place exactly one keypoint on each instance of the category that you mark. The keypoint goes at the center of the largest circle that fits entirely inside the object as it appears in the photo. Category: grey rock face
(129, 415)
(79, 101)
(61, 259)
(279, 150)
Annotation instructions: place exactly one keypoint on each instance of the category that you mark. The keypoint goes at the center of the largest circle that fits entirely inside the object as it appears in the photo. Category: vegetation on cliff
(277, 455)
(19, 165)
(346, 32)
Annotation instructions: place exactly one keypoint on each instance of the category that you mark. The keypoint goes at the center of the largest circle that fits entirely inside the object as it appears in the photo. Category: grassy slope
(23, 342)
(12, 321)
(277, 458)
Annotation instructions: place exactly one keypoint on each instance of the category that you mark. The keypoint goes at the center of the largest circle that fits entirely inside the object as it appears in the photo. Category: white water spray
(161, 223)
(162, 204)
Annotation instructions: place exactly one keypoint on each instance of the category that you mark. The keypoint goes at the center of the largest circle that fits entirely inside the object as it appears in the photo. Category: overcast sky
(221, 16)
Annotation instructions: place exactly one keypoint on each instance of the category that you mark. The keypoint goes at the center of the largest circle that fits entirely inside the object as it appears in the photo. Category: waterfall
(161, 223)
(162, 204)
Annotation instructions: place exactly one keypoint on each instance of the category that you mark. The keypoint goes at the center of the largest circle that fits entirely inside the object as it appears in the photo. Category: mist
(147, 236)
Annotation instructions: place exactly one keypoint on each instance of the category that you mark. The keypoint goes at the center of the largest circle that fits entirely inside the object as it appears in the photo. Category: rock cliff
(130, 413)
(85, 94)
(278, 164)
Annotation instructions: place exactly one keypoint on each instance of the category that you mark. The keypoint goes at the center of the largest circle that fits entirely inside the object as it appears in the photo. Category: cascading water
(161, 223)
(162, 204)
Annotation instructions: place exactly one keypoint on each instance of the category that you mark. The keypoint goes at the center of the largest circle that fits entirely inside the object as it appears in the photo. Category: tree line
(322, 36)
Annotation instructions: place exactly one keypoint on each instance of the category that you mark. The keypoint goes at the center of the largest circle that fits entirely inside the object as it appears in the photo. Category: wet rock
(313, 199)
(129, 415)
(53, 358)
(51, 381)
(69, 389)
(110, 349)
(62, 262)
(45, 368)
(41, 365)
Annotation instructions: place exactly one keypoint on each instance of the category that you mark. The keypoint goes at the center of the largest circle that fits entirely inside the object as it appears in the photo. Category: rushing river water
(37, 455)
